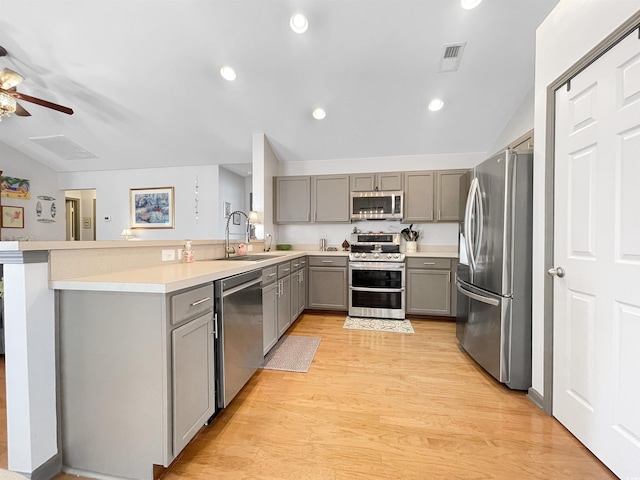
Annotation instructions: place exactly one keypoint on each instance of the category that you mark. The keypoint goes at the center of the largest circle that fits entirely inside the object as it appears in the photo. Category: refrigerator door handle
(479, 223)
(476, 296)
(471, 197)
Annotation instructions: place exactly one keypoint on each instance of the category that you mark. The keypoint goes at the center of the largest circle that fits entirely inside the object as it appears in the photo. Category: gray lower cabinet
(136, 371)
(430, 286)
(270, 286)
(302, 285)
(295, 292)
(192, 367)
(284, 297)
(328, 282)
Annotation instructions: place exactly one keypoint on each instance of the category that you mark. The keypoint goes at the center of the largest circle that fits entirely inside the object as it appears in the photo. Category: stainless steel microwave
(376, 205)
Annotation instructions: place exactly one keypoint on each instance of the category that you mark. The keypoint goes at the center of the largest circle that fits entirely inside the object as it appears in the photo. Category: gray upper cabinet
(368, 182)
(448, 195)
(418, 197)
(331, 198)
(292, 198)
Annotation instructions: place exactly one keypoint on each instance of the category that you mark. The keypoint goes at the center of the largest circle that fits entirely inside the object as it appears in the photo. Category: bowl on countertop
(283, 246)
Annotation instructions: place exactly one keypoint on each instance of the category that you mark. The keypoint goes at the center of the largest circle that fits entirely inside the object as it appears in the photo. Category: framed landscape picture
(12, 217)
(152, 207)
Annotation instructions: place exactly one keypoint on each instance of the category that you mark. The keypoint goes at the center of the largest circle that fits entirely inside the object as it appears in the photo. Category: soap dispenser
(187, 253)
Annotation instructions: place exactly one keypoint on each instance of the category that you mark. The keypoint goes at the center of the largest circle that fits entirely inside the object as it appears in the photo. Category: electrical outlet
(180, 250)
(168, 255)
(249, 248)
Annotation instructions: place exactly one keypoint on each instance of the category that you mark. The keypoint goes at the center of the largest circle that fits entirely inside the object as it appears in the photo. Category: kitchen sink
(250, 258)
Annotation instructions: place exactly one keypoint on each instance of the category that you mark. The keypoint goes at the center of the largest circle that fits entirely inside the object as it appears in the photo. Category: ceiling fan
(8, 105)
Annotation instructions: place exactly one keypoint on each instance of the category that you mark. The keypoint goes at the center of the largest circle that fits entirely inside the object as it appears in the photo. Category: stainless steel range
(376, 276)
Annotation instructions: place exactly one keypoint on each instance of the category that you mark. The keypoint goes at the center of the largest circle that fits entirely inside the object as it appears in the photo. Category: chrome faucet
(228, 250)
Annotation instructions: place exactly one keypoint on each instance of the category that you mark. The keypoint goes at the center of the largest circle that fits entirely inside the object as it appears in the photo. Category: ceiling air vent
(63, 147)
(451, 56)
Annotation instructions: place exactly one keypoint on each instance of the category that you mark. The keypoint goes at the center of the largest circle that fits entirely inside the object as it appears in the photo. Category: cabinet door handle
(327, 261)
(271, 275)
(286, 269)
(200, 301)
(429, 263)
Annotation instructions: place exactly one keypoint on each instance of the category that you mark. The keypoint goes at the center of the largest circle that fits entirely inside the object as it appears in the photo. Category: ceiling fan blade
(9, 78)
(21, 112)
(43, 103)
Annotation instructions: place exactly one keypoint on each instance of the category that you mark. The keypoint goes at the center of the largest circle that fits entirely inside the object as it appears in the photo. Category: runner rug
(379, 324)
(292, 353)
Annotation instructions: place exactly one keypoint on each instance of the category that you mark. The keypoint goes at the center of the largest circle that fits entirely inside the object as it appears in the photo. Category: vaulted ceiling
(143, 78)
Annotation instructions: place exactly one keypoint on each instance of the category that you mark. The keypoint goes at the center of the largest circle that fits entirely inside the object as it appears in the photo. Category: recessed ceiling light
(299, 23)
(228, 73)
(470, 4)
(319, 114)
(436, 104)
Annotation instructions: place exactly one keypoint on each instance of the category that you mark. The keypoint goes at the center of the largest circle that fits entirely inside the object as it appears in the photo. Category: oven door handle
(376, 266)
(374, 289)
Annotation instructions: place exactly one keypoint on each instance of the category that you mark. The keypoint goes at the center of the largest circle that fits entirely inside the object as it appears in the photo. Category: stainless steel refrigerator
(494, 272)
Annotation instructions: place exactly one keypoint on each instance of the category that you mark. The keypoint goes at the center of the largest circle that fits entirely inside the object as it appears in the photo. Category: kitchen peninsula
(108, 271)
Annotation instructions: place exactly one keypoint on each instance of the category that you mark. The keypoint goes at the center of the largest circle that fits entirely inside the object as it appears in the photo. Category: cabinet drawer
(269, 275)
(284, 269)
(191, 304)
(327, 261)
(296, 264)
(429, 263)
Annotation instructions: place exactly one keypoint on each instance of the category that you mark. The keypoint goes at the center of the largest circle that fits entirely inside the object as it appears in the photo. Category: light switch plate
(168, 255)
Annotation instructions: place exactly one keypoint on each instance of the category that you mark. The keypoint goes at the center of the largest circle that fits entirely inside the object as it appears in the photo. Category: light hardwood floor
(382, 406)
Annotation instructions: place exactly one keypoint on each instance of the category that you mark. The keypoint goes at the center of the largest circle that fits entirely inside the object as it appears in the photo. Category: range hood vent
(451, 55)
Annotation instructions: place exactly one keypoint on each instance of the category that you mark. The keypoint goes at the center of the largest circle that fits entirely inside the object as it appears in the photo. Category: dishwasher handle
(240, 287)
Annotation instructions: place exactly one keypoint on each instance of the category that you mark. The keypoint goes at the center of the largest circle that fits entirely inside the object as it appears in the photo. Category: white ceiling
(143, 77)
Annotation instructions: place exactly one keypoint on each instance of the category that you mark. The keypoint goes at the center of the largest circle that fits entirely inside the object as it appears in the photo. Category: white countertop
(173, 277)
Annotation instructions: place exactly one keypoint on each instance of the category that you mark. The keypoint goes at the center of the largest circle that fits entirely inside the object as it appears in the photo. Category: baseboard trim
(47, 470)
(536, 398)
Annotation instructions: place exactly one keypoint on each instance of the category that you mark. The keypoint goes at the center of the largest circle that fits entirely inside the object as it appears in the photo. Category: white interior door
(596, 352)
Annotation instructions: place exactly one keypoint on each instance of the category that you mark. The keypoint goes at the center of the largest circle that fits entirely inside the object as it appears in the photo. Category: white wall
(232, 190)
(112, 200)
(265, 167)
(43, 182)
(383, 164)
(572, 29)
(520, 123)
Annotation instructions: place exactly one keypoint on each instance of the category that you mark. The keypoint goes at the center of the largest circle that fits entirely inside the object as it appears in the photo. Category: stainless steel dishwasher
(238, 307)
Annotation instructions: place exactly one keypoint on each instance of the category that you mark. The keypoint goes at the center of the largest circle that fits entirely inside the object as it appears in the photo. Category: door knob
(556, 272)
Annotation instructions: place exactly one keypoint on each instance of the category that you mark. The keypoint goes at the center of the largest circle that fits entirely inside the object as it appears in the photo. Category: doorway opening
(80, 215)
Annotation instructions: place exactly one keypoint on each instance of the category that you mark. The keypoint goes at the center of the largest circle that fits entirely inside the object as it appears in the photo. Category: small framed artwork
(236, 219)
(15, 187)
(12, 217)
(152, 207)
